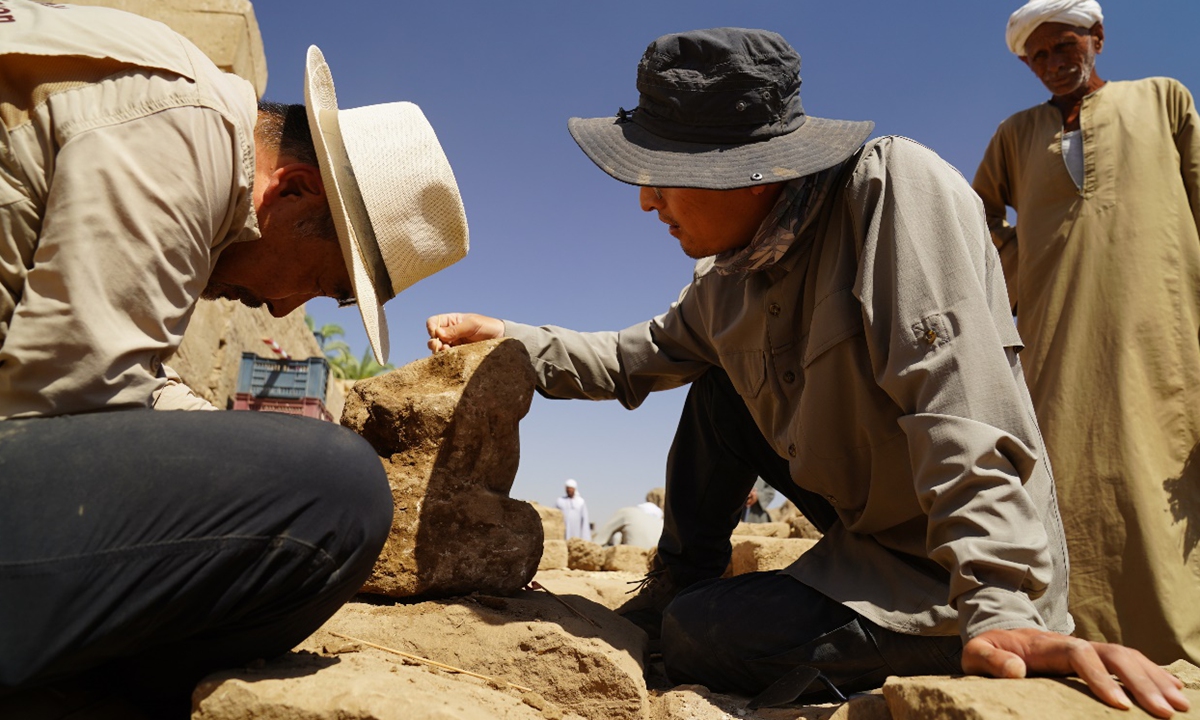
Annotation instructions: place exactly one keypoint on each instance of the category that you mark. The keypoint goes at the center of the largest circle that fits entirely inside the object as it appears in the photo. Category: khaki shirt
(1105, 280)
(126, 166)
(878, 356)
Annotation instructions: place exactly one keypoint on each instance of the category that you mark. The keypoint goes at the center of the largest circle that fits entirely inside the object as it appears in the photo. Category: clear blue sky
(556, 241)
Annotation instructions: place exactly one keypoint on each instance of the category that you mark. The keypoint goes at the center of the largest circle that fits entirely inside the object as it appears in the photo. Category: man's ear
(1025, 60)
(294, 181)
(1097, 32)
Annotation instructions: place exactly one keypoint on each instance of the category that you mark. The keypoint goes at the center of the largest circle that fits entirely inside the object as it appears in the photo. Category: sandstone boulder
(627, 558)
(554, 555)
(758, 554)
(446, 430)
(767, 529)
(1187, 672)
(531, 640)
(553, 525)
(365, 685)
(584, 555)
(978, 698)
(800, 526)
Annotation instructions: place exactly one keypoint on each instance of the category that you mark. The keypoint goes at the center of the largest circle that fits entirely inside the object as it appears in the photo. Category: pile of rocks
(454, 629)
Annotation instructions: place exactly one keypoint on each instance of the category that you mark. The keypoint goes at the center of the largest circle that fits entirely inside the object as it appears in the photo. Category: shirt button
(792, 450)
(832, 500)
(789, 376)
(774, 309)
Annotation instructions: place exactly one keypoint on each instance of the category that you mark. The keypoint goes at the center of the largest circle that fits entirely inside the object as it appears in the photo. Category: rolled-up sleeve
(943, 347)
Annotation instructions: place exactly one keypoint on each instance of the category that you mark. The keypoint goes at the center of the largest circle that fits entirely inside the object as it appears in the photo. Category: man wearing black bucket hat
(847, 338)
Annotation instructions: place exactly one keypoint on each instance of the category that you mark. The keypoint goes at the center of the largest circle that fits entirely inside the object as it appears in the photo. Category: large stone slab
(445, 428)
(531, 639)
(361, 685)
(554, 555)
(979, 698)
(758, 554)
(627, 558)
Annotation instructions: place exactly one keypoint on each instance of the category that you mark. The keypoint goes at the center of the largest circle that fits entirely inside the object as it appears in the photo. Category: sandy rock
(977, 698)
(370, 685)
(767, 529)
(584, 555)
(554, 555)
(446, 429)
(696, 702)
(1187, 672)
(553, 525)
(800, 526)
(627, 558)
(530, 639)
(756, 554)
(610, 589)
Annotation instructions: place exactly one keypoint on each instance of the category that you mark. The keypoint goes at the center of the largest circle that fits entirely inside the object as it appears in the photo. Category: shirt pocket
(747, 369)
(836, 317)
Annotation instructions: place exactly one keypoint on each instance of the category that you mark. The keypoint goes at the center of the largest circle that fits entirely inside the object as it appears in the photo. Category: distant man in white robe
(575, 514)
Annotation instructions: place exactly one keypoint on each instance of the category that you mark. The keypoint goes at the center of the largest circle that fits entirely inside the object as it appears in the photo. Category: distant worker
(639, 525)
(1103, 272)
(575, 514)
(757, 501)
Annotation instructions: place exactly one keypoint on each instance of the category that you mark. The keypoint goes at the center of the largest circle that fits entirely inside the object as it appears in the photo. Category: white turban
(1022, 23)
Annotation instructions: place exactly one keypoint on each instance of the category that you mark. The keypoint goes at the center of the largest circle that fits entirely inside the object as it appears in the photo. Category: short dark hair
(285, 127)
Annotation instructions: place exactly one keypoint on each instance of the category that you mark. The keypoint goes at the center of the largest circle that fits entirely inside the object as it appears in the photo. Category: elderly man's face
(1063, 56)
(710, 222)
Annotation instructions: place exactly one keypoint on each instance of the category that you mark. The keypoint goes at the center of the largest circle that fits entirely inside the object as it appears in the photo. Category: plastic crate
(308, 407)
(286, 379)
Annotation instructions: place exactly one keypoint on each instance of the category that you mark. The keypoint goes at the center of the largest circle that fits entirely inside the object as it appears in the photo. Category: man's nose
(649, 199)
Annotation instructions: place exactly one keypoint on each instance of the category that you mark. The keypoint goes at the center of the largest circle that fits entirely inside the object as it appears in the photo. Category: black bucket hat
(718, 109)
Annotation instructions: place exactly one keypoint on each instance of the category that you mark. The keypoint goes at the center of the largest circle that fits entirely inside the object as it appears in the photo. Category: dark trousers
(742, 634)
(156, 547)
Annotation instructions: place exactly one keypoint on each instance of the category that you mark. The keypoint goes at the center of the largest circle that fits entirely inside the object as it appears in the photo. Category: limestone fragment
(445, 428)
(758, 554)
(591, 670)
(585, 555)
(979, 698)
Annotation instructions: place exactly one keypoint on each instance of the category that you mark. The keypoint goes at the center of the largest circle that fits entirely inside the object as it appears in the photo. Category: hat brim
(632, 154)
(320, 100)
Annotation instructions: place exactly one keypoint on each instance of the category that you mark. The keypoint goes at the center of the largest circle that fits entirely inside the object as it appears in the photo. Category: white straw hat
(395, 204)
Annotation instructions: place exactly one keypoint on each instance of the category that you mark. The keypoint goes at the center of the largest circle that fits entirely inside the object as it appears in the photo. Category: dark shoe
(645, 609)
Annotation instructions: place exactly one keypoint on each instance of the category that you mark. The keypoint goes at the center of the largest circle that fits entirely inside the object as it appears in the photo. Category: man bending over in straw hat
(1103, 271)
(848, 339)
(153, 547)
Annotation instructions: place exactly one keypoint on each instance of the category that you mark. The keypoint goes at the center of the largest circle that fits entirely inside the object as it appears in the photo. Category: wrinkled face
(710, 222)
(1062, 56)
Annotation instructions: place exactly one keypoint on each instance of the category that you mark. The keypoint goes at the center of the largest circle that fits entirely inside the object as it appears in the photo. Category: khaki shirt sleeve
(626, 366)
(176, 395)
(1187, 140)
(125, 251)
(942, 346)
(992, 185)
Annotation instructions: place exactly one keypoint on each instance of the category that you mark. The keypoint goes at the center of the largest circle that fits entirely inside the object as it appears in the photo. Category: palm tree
(325, 334)
(348, 367)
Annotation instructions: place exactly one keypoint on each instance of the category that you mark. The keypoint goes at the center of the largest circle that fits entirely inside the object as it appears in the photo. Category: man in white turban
(1103, 272)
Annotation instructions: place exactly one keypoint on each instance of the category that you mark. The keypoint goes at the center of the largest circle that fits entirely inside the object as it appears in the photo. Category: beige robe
(1105, 282)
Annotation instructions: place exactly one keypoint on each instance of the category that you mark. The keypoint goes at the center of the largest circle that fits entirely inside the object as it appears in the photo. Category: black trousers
(744, 633)
(156, 547)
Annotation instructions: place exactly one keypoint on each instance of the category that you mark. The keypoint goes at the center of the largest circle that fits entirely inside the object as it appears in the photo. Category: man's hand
(450, 329)
(1012, 653)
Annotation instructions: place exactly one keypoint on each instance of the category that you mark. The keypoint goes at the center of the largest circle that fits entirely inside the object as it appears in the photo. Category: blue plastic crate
(276, 378)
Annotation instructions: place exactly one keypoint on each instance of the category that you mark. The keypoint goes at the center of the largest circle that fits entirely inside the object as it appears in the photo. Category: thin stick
(538, 586)
(418, 658)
